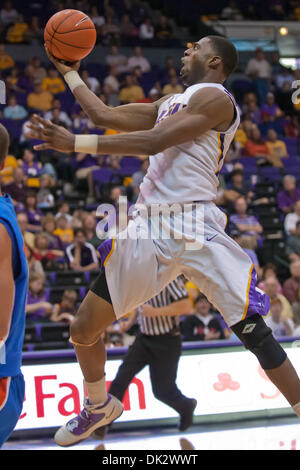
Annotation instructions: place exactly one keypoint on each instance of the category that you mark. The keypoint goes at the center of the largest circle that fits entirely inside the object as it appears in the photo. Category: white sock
(97, 391)
(296, 408)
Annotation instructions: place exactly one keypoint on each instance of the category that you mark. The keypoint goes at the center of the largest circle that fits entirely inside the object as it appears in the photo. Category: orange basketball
(70, 35)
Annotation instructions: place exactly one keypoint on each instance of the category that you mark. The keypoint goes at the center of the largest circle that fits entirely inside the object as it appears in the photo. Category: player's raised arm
(7, 286)
(209, 108)
(127, 118)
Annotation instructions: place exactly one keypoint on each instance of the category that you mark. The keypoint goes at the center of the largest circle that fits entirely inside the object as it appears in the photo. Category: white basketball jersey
(187, 172)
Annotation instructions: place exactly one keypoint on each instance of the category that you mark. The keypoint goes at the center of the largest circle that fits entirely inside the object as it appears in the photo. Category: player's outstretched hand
(61, 66)
(54, 137)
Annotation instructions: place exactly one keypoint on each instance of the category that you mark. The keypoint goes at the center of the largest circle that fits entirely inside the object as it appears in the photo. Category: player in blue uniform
(13, 292)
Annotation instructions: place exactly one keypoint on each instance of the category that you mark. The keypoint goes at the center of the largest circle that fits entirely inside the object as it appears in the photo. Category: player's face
(195, 62)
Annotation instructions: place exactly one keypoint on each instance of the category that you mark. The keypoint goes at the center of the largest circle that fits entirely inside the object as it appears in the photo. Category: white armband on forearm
(2, 342)
(73, 80)
(86, 143)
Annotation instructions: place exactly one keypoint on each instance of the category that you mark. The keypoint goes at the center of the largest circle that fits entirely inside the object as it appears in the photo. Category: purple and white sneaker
(89, 419)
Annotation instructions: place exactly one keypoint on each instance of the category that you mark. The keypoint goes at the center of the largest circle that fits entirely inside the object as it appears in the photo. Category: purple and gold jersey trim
(221, 138)
(106, 249)
(257, 301)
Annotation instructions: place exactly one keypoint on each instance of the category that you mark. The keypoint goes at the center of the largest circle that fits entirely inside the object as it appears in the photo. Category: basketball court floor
(281, 434)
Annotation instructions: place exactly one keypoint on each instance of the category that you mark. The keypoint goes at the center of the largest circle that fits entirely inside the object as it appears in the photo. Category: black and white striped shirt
(162, 325)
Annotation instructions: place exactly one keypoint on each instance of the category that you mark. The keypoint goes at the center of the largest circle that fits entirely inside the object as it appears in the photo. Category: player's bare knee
(81, 331)
(257, 337)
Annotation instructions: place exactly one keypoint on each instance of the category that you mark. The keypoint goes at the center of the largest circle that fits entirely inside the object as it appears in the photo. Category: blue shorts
(12, 390)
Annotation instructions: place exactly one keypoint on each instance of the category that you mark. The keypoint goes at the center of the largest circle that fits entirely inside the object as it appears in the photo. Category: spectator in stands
(291, 287)
(292, 218)
(231, 12)
(269, 271)
(260, 70)
(131, 92)
(284, 76)
(50, 259)
(35, 31)
(34, 265)
(49, 227)
(291, 126)
(23, 224)
(14, 110)
(17, 188)
(271, 289)
(277, 149)
(45, 198)
(247, 224)
(65, 311)
(8, 14)
(37, 308)
(6, 62)
(138, 177)
(12, 81)
(81, 255)
(138, 11)
(270, 109)
(7, 174)
(246, 243)
(32, 168)
(163, 30)
(36, 70)
(238, 186)
(110, 31)
(111, 97)
(117, 60)
(173, 87)
(146, 31)
(97, 19)
(53, 83)
(40, 99)
(202, 325)
(92, 82)
(63, 116)
(111, 80)
(33, 213)
(293, 244)
(289, 194)
(280, 325)
(138, 59)
(255, 146)
(284, 98)
(89, 226)
(63, 208)
(127, 28)
(63, 230)
(16, 33)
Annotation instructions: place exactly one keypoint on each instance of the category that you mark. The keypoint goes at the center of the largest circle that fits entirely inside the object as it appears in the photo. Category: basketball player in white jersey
(187, 136)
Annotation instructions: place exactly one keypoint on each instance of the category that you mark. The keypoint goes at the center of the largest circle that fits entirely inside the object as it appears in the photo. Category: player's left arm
(209, 108)
(7, 286)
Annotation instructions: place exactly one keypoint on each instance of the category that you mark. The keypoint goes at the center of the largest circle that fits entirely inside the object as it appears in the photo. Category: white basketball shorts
(141, 260)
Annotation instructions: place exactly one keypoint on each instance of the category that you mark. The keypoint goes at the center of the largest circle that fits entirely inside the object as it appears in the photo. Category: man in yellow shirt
(16, 32)
(131, 93)
(6, 62)
(172, 87)
(277, 149)
(6, 175)
(40, 99)
(53, 83)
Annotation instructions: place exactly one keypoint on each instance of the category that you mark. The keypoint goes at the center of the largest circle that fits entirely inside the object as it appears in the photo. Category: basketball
(70, 35)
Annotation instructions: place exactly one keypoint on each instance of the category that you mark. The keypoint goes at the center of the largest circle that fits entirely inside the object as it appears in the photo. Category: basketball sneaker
(89, 419)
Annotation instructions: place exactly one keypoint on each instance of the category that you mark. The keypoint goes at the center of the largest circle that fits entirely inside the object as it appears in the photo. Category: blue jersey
(12, 355)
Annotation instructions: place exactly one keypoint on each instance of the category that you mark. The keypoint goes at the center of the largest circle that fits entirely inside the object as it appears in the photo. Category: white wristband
(86, 143)
(1, 343)
(73, 80)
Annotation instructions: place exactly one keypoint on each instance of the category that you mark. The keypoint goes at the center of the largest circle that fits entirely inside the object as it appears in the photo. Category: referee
(158, 344)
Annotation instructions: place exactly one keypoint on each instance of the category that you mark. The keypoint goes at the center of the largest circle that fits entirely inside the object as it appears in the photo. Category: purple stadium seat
(103, 175)
(131, 164)
(13, 126)
(291, 145)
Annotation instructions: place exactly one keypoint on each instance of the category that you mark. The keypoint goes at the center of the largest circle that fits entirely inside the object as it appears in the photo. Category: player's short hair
(4, 144)
(226, 50)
